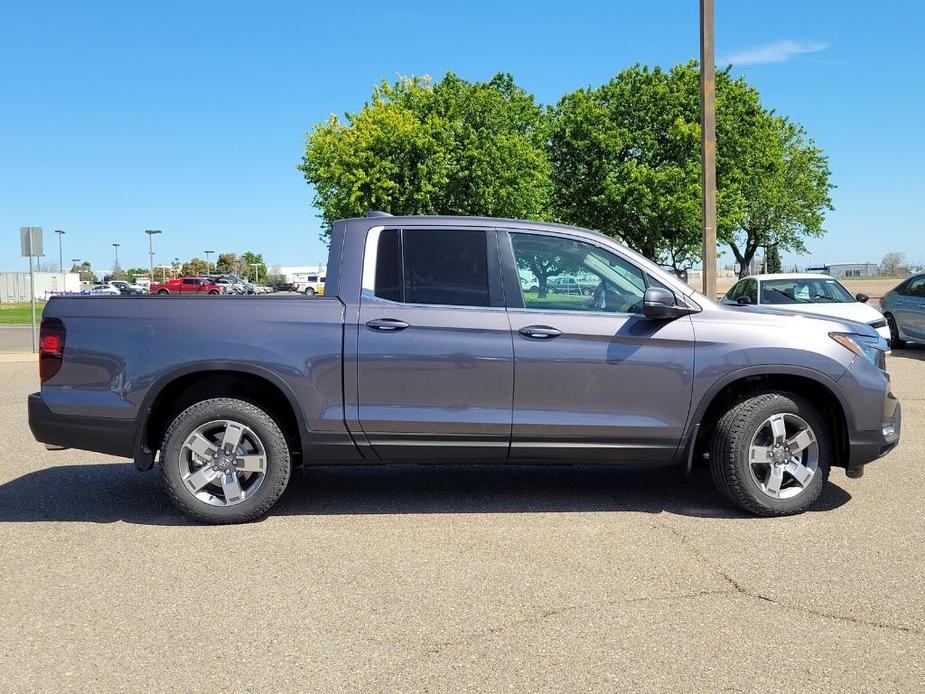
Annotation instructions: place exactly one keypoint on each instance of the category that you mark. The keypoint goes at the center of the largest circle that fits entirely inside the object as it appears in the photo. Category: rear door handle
(386, 324)
(540, 332)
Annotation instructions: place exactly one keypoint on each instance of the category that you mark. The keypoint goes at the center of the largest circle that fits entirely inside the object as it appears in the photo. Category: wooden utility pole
(708, 146)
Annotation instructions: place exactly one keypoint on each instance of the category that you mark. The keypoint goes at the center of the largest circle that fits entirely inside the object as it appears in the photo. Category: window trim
(493, 269)
(512, 277)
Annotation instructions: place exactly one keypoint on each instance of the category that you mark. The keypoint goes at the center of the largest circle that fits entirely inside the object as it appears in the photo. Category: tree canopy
(622, 158)
(423, 147)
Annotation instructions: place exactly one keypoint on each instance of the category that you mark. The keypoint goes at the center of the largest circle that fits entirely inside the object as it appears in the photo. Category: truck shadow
(107, 493)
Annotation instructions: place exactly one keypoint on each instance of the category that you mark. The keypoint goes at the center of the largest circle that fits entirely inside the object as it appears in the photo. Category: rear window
(440, 267)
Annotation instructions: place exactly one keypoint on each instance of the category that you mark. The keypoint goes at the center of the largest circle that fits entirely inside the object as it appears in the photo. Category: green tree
(784, 187)
(626, 161)
(86, 274)
(772, 260)
(227, 263)
(248, 260)
(418, 147)
(194, 268)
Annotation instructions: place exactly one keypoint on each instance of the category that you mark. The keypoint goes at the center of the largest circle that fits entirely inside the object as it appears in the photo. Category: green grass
(19, 314)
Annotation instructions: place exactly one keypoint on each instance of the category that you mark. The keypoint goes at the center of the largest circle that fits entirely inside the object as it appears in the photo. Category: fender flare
(824, 380)
(144, 458)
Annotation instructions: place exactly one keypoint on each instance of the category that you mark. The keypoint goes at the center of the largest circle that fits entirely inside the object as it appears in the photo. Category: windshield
(823, 290)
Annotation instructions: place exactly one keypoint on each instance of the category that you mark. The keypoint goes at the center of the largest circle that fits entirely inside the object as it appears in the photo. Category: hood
(791, 320)
(855, 311)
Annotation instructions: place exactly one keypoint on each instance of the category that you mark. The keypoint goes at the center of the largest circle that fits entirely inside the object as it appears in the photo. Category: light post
(60, 233)
(209, 259)
(74, 261)
(116, 246)
(151, 233)
(256, 267)
(708, 146)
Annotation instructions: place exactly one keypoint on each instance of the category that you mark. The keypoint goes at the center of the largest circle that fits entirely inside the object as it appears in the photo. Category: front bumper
(865, 446)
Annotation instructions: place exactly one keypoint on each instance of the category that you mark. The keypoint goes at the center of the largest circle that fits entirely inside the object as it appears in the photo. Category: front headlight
(873, 349)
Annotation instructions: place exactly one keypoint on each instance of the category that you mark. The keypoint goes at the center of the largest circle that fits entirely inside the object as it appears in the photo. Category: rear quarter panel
(120, 350)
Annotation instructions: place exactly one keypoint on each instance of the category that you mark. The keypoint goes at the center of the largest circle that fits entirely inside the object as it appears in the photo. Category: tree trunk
(541, 286)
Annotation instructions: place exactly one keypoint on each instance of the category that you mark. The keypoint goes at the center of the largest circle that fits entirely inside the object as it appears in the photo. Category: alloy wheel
(783, 456)
(223, 463)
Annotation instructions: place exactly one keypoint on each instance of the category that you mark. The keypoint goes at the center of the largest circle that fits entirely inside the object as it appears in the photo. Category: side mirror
(863, 298)
(659, 304)
(744, 300)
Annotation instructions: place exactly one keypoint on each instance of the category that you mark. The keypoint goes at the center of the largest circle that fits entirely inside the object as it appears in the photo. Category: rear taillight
(51, 347)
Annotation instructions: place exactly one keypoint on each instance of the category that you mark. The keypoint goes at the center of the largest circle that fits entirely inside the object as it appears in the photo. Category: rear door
(593, 378)
(435, 358)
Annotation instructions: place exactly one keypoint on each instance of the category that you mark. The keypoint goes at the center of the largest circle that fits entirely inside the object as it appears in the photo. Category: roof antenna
(377, 213)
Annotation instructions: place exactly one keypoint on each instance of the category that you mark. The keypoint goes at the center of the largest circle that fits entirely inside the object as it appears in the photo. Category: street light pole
(116, 246)
(256, 267)
(60, 233)
(209, 259)
(151, 233)
(708, 145)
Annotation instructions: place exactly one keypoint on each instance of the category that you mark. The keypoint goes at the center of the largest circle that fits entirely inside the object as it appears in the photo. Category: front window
(823, 290)
(570, 275)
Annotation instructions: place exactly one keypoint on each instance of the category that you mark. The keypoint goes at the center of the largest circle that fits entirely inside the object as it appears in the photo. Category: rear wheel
(896, 342)
(770, 454)
(309, 291)
(224, 461)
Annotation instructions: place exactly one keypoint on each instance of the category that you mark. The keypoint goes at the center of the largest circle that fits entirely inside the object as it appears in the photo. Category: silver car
(904, 310)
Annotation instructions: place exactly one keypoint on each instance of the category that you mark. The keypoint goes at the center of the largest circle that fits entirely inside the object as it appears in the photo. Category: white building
(14, 286)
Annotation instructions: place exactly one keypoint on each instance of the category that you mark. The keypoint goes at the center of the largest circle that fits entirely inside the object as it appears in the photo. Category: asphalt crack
(742, 590)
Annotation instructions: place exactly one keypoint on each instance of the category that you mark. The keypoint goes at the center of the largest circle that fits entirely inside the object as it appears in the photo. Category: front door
(435, 359)
(594, 379)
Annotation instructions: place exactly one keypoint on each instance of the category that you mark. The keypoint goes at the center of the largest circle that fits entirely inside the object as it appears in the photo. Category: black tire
(729, 453)
(309, 291)
(212, 292)
(277, 467)
(896, 342)
(162, 292)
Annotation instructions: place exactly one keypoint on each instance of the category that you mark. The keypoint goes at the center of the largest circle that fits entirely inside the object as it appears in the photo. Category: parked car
(806, 293)
(128, 289)
(904, 309)
(569, 284)
(229, 286)
(186, 285)
(103, 289)
(411, 356)
(284, 287)
(311, 285)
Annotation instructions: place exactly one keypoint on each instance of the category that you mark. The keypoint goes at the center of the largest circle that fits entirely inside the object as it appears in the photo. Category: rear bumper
(112, 436)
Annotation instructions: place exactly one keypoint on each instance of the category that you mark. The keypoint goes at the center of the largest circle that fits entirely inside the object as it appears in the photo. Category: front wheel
(771, 453)
(162, 292)
(309, 291)
(224, 461)
(896, 341)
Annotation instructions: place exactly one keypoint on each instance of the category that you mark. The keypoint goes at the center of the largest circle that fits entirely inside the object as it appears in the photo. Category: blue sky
(191, 116)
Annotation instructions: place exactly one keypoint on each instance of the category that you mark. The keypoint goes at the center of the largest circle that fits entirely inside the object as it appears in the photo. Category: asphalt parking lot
(413, 578)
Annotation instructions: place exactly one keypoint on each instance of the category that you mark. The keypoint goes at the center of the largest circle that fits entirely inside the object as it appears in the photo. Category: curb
(18, 358)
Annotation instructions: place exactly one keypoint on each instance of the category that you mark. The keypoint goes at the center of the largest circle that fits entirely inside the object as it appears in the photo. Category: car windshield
(823, 290)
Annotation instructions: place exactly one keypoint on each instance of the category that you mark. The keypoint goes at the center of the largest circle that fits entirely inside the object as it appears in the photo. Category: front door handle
(540, 332)
(386, 324)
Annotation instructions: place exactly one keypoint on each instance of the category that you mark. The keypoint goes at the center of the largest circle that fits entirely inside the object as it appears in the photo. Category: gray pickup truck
(426, 348)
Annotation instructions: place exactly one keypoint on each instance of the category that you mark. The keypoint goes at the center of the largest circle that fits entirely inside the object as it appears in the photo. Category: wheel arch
(179, 389)
(819, 388)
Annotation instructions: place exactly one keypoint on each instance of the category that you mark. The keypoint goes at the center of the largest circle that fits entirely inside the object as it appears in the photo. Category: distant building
(14, 286)
(847, 270)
